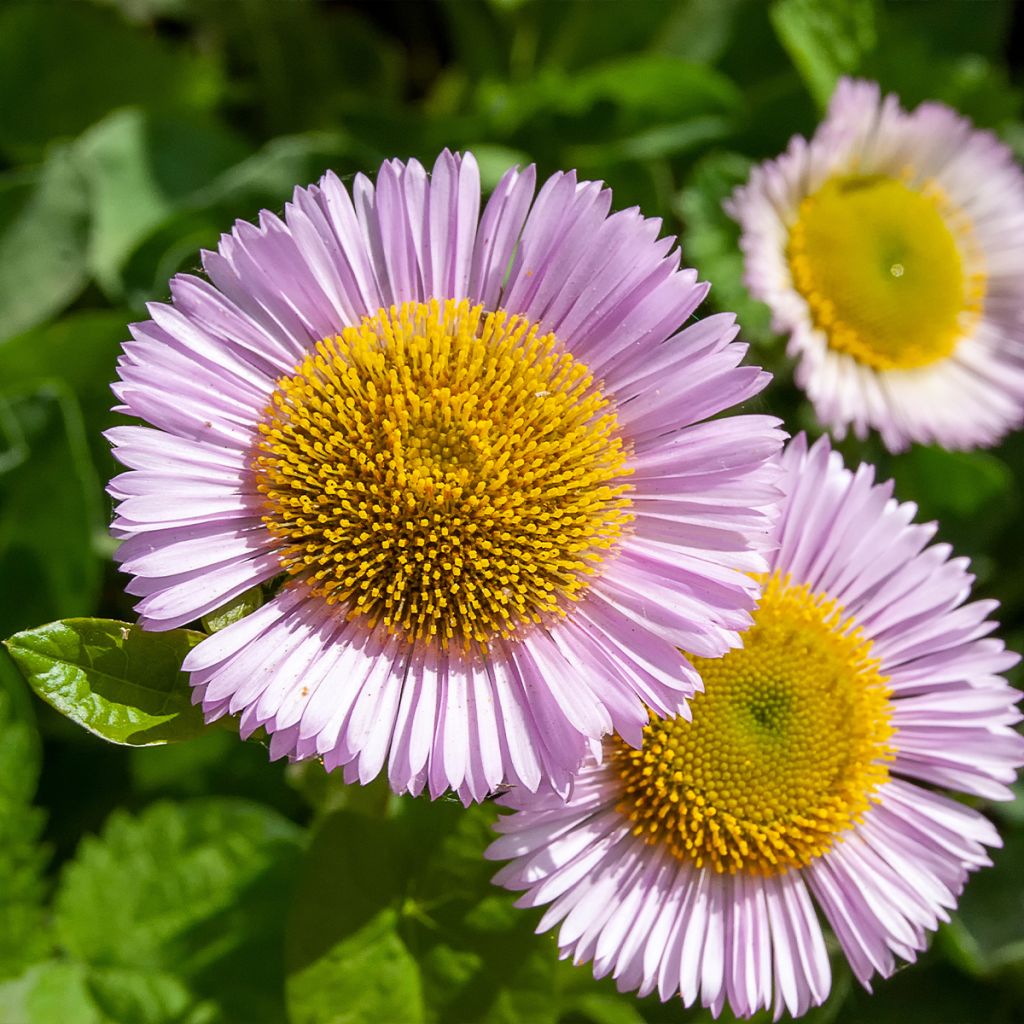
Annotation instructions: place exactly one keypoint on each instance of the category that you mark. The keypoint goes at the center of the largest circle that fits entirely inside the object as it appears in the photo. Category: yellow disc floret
(891, 273)
(451, 474)
(786, 748)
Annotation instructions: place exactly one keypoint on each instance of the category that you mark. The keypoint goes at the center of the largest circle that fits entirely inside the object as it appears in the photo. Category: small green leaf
(198, 890)
(237, 608)
(116, 680)
(825, 38)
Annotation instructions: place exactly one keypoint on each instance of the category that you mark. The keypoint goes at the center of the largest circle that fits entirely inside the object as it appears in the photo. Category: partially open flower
(475, 447)
(890, 249)
(809, 774)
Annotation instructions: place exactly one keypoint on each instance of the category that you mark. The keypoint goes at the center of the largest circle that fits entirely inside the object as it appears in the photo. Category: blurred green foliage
(197, 883)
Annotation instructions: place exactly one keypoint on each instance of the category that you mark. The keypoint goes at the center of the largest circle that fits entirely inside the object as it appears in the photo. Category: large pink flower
(478, 448)
(810, 774)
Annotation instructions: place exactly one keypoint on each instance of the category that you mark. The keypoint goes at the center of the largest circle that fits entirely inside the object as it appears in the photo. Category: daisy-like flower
(472, 445)
(809, 774)
(890, 249)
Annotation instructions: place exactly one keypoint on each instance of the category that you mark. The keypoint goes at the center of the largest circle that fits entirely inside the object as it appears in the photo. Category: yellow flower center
(452, 474)
(891, 274)
(786, 748)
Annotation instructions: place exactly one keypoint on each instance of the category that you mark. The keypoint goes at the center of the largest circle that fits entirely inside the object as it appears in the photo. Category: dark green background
(196, 882)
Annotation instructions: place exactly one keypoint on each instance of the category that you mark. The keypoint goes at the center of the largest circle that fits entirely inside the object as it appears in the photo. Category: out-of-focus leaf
(197, 890)
(266, 179)
(928, 992)
(494, 161)
(985, 934)
(23, 934)
(44, 220)
(121, 683)
(71, 993)
(711, 240)
(656, 85)
(350, 894)
(953, 28)
(49, 508)
(301, 60)
(139, 167)
(906, 64)
(80, 350)
(103, 63)
(699, 30)
(945, 483)
(367, 976)
(825, 38)
(422, 874)
(647, 89)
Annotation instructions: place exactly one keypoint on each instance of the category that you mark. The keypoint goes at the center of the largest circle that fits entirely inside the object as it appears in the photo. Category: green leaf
(984, 935)
(49, 508)
(351, 888)
(116, 680)
(104, 63)
(71, 993)
(140, 167)
(419, 878)
(711, 240)
(951, 484)
(825, 39)
(237, 608)
(367, 976)
(80, 351)
(197, 890)
(44, 221)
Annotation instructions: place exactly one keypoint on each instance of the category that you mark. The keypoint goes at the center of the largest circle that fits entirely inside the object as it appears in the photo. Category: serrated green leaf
(24, 936)
(711, 240)
(49, 508)
(825, 38)
(116, 680)
(204, 899)
(72, 993)
(44, 223)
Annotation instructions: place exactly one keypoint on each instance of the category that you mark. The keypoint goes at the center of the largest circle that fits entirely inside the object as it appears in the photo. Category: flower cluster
(514, 529)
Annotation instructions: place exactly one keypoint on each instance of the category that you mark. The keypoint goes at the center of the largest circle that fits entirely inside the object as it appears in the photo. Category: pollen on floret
(891, 274)
(451, 474)
(786, 749)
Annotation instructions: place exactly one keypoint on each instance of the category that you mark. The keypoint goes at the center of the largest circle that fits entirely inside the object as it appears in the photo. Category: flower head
(809, 774)
(888, 249)
(473, 448)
